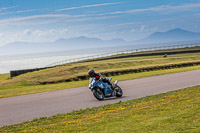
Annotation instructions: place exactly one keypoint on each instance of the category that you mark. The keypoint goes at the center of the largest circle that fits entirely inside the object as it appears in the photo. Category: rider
(98, 76)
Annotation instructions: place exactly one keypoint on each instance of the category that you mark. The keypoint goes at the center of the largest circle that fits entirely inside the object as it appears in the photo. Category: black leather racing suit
(98, 76)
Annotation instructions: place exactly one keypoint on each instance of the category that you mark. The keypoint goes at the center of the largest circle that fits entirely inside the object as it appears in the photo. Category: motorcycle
(103, 90)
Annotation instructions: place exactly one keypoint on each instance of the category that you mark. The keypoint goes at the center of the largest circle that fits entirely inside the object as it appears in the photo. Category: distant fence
(108, 55)
(121, 52)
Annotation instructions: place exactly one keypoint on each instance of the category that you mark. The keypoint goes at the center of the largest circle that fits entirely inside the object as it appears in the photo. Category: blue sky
(48, 20)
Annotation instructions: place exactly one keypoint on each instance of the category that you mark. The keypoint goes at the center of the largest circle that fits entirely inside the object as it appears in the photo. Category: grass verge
(73, 71)
(9, 91)
(176, 111)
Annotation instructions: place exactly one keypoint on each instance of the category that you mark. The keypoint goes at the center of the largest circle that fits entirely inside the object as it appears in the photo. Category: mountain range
(174, 35)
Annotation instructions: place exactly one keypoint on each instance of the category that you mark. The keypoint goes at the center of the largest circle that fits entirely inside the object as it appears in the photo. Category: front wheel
(119, 91)
(98, 94)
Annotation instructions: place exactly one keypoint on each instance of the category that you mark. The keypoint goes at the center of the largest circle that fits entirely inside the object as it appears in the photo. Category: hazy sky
(48, 20)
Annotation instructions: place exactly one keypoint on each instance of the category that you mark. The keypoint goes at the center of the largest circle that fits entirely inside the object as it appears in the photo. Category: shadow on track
(113, 98)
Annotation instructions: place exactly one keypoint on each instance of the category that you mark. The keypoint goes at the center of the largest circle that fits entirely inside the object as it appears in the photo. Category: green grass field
(62, 73)
(176, 111)
(31, 82)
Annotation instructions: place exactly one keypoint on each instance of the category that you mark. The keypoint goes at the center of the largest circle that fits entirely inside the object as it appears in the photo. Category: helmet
(91, 72)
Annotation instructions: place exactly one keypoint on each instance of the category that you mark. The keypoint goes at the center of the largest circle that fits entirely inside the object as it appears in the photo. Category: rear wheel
(98, 94)
(119, 91)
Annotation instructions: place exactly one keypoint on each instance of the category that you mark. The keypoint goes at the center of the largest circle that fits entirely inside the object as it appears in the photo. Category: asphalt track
(17, 109)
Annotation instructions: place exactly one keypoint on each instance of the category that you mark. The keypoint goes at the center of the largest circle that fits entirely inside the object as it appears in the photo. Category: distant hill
(82, 42)
(59, 45)
(174, 35)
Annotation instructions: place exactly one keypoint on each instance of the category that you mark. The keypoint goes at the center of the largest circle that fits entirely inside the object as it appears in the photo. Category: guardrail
(108, 55)
(122, 52)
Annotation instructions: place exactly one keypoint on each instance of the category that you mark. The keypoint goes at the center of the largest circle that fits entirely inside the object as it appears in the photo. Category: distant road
(25, 108)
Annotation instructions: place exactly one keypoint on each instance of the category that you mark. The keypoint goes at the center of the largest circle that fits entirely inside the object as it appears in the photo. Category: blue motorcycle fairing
(104, 86)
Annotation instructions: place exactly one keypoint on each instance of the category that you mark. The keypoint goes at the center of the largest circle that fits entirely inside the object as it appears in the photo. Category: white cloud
(50, 18)
(125, 24)
(132, 30)
(6, 8)
(143, 28)
(45, 33)
(147, 29)
(2, 35)
(35, 19)
(27, 32)
(196, 26)
(29, 35)
(168, 8)
(86, 6)
(90, 18)
(22, 11)
(39, 17)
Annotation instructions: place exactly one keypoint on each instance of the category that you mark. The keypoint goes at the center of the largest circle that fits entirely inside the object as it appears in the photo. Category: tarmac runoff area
(18, 109)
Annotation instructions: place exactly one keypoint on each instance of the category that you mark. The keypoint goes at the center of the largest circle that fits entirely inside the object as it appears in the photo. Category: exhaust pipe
(116, 82)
